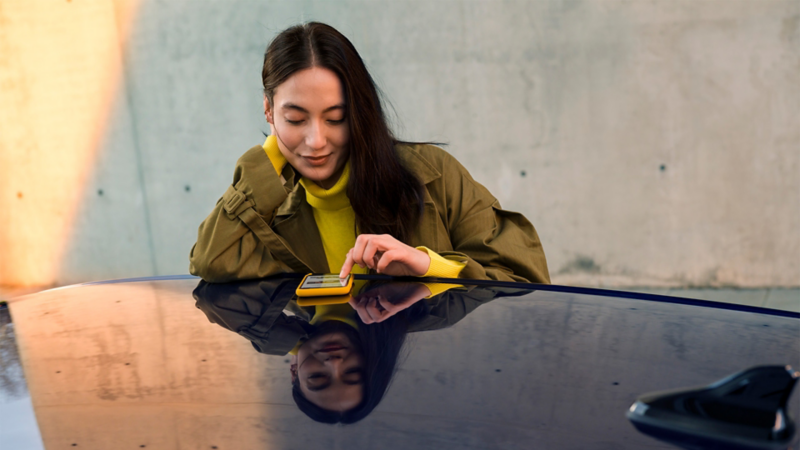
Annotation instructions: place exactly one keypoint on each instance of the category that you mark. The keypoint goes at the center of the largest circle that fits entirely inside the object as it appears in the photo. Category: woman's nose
(316, 137)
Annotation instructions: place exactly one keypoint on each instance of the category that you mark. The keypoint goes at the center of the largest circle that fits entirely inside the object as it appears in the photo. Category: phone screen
(324, 281)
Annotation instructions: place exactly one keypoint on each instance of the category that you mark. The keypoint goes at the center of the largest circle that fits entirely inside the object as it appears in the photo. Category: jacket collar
(418, 165)
(294, 190)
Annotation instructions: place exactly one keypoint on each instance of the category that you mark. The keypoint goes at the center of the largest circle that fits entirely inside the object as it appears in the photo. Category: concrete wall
(652, 143)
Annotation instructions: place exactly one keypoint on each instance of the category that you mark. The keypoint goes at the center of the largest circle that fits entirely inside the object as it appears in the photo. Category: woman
(332, 190)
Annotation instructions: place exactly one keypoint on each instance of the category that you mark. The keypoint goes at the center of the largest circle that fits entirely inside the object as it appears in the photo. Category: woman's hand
(386, 255)
(379, 303)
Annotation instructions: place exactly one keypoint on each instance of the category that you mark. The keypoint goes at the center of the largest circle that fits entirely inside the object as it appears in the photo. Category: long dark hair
(386, 197)
(381, 344)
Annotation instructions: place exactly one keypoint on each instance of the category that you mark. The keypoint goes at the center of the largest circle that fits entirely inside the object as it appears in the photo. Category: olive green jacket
(263, 225)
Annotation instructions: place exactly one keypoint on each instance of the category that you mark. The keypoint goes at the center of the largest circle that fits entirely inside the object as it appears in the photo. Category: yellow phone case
(327, 287)
(328, 300)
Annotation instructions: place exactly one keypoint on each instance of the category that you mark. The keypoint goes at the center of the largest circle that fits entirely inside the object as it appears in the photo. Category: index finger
(348, 264)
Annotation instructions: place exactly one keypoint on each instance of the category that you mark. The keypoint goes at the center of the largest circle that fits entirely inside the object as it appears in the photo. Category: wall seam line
(135, 138)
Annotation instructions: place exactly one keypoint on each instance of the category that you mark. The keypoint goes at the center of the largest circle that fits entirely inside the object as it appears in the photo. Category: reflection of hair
(385, 196)
(381, 344)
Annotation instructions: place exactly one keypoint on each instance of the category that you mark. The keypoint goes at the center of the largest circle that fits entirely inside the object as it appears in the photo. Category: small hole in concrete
(497, 370)
(100, 192)
(615, 383)
(522, 173)
(662, 167)
(187, 188)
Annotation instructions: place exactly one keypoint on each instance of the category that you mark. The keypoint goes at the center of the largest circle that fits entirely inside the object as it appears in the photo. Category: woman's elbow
(208, 267)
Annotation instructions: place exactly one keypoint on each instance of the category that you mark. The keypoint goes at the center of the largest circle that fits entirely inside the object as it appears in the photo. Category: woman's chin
(324, 176)
(321, 178)
(333, 330)
(334, 326)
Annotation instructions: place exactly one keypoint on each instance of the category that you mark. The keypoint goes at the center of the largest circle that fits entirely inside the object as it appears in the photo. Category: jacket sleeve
(228, 246)
(255, 310)
(494, 243)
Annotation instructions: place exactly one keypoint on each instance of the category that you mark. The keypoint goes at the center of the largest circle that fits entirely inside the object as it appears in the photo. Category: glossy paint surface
(132, 364)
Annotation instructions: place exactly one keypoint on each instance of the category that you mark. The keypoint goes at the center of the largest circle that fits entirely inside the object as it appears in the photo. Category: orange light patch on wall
(60, 67)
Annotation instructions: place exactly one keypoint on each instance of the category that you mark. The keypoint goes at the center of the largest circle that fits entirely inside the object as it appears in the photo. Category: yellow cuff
(441, 267)
(274, 153)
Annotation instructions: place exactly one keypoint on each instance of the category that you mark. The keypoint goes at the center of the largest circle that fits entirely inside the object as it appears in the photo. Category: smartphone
(328, 284)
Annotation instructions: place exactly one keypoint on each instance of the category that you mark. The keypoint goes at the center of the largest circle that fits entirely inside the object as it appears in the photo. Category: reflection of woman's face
(308, 118)
(330, 371)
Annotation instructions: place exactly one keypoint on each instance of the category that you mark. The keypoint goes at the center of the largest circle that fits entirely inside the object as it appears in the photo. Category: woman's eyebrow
(303, 110)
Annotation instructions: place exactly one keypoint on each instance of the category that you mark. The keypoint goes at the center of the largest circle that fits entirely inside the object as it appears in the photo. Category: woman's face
(307, 115)
(330, 371)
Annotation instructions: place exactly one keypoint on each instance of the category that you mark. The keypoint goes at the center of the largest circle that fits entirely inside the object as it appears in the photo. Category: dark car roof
(135, 363)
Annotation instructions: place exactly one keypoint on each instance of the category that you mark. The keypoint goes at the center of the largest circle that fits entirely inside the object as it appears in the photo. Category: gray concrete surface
(650, 143)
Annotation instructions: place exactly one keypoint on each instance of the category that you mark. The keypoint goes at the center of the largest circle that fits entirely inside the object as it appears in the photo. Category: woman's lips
(317, 160)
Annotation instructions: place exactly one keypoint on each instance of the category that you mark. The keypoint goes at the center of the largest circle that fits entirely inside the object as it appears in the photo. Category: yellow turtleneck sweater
(336, 220)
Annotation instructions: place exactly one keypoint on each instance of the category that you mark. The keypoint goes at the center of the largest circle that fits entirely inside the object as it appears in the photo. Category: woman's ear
(268, 111)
